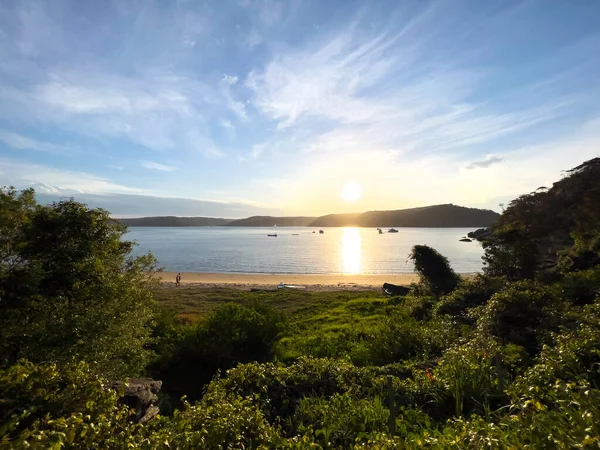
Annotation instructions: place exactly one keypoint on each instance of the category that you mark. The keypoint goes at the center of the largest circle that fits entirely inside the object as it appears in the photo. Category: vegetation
(507, 359)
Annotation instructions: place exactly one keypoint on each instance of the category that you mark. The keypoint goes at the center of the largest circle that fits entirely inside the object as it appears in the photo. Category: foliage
(69, 290)
(191, 355)
(524, 314)
(469, 294)
(434, 270)
(44, 407)
(536, 227)
(340, 419)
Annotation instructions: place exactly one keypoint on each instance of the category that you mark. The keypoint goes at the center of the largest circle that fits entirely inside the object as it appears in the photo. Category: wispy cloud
(411, 96)
(157, 166)
(66, 182)
(487, 162)
(20, 142)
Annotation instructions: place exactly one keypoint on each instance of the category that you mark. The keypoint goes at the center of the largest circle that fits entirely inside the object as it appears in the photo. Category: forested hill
(269, 221)
(428, 216)
(172, 221)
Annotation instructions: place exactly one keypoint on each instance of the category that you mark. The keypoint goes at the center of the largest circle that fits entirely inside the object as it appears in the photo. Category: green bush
(340, 419)
(471, 377)
(524, 314)
(469, 294)
(434, 270)
(231, 334)
(44, 407)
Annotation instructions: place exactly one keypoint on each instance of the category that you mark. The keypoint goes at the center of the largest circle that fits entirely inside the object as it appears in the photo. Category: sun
(351, 191)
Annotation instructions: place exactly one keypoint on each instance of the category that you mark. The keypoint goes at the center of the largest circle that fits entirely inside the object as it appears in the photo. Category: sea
(300, 250)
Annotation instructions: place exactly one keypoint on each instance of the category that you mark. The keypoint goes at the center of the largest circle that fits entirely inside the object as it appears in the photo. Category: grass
(318, 323)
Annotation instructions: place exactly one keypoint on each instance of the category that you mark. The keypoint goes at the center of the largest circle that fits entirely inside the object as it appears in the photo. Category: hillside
(172, 221)
(269, 221)
(428, 216)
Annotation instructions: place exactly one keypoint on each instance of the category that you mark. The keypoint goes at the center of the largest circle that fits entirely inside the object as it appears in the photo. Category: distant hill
(268, 221)
(172, 221)
(438, 216)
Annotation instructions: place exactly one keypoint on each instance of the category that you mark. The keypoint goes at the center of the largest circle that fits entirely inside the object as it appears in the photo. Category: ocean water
(298, 250)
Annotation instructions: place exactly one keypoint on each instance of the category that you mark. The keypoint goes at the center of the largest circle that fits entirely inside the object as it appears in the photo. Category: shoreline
(270, 281)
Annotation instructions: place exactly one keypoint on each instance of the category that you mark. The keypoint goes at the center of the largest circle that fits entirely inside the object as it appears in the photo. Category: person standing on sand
(178, 279)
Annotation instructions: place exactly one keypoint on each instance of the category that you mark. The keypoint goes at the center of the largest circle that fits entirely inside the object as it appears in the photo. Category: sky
(241, 107)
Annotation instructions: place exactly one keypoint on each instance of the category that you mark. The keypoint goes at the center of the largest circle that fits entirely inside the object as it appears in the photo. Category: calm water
(298, 250)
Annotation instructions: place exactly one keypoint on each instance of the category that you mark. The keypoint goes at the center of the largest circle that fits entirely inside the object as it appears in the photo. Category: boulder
(141, 395)
(481, 234)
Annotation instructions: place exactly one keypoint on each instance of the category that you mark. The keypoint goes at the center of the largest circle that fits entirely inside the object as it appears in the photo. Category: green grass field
(318, 323)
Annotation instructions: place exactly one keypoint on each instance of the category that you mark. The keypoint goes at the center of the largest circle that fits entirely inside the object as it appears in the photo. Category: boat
(392, 230)
(282, 285)
(321, 232)
(465, 240)
(271, 235)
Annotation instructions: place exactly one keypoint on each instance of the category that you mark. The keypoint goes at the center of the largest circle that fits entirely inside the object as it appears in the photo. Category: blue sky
(234, 108)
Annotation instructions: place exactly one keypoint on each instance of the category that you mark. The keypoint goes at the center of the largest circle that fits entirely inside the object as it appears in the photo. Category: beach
(327, 282)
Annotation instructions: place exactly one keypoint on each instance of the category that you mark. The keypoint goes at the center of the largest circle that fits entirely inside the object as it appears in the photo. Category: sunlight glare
(351, 191)
(351, 251)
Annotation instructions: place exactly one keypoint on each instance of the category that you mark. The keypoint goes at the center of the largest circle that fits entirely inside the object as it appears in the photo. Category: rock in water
(141, 395)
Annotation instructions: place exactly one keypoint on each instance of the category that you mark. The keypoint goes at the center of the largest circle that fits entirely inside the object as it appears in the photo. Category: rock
(482, 234)
(392, 289)
(141, 395)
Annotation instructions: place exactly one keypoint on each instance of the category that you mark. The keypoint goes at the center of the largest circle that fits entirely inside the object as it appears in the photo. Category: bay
(297, 250)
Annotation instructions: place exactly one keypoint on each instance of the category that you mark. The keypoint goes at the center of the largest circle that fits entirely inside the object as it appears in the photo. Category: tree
(434, 269)
(69, 288)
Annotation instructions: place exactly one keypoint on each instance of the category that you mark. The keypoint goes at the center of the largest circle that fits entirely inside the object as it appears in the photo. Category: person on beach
(178, 279)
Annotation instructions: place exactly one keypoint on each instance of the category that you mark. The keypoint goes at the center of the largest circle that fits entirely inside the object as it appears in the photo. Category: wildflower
(429, 374)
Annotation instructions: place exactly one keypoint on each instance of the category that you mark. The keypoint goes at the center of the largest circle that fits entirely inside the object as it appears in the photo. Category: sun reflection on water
(351, 251)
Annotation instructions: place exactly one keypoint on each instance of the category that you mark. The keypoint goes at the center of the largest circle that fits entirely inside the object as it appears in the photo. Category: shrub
(469, 294)
(471, 379)
(45, 407)
(340, 419)
(434, 270)
(524, 314)
(231, 334)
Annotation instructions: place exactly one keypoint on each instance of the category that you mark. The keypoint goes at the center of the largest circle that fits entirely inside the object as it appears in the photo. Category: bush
(231, 334)
(45, 407)
(524, 314)
(340, 419)
(469, 294)
(472, 381)
(434, 270)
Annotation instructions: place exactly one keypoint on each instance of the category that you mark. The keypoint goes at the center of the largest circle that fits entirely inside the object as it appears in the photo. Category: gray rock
(141, 395)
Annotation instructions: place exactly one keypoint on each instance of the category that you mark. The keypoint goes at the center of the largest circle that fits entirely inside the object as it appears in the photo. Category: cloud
(22, 175)
(487, 162)
(130, 205)
(157, 166)
(229, 79)
(20, 142)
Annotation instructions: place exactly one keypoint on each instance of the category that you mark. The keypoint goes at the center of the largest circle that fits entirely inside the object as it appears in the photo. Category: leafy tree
(434, 270)
(69, 289)
(511, 253)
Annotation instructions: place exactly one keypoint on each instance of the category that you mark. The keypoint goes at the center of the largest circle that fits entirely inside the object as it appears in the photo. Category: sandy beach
(269, 281)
